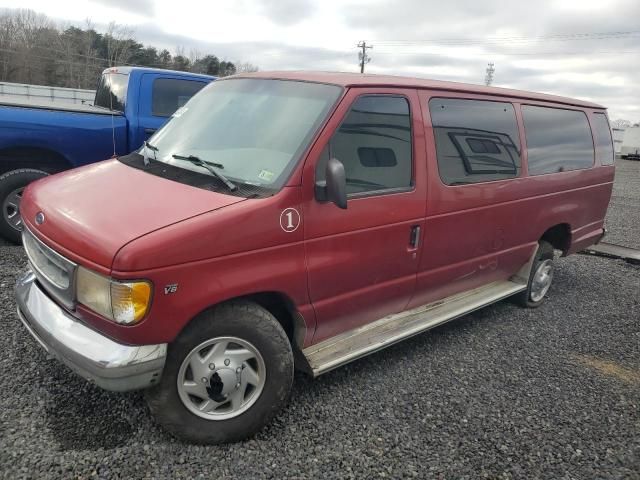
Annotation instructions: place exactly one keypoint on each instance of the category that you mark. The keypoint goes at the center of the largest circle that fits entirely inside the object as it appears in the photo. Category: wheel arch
(559, 236)
(277, 304)
(40, 158)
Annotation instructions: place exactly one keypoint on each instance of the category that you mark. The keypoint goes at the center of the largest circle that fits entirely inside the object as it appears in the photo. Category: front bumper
(106, 363)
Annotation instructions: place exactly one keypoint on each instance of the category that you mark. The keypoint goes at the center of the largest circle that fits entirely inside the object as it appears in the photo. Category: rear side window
(557, 140)
(476, 141)
(374, 145)
(170, 94)
(112, 91)
(602, 139)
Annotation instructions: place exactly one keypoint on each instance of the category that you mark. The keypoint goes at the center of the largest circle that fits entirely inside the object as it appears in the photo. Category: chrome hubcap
(541, 281)
(11, 209)
(221, 378)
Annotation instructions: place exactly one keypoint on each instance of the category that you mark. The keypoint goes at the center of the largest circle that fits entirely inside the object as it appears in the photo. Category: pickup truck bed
(40, 137)
(39, 103)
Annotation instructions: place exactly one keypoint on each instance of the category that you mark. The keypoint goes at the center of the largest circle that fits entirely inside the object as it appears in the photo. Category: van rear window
(476, 141)
(557, 140)
(602, 139)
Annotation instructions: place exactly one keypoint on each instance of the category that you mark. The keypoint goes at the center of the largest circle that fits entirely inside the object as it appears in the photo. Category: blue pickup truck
(41, 138)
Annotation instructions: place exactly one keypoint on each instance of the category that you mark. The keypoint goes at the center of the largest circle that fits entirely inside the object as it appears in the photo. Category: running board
(610, 250)
(357, 343)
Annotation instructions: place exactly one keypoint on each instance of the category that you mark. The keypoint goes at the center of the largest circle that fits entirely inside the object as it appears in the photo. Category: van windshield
(253, 130)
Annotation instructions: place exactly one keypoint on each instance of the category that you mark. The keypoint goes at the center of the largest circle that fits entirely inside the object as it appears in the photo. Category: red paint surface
(340, 268)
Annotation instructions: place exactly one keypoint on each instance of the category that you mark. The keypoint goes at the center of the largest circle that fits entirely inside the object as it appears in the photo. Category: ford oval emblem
(39, 218)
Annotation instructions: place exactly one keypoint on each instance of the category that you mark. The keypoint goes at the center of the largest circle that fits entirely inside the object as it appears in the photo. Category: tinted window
(112, 91)
(557, 140)
(476, 141)
(374, 144)
(602, 139)
(170, 94)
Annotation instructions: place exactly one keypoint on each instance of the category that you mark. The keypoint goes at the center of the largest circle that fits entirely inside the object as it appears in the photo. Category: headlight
(122, 302)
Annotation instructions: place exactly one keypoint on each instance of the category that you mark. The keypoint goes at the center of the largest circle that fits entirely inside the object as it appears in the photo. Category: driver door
(362, 260)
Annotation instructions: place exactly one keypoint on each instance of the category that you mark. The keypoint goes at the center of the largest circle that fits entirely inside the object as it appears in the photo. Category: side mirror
(334, 187)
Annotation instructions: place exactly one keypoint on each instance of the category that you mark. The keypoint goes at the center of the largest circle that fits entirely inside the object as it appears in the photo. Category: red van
(307, 220)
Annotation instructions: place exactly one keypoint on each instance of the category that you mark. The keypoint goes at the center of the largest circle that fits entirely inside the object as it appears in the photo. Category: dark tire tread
(230, 318)
(545, 252)
(9, 181)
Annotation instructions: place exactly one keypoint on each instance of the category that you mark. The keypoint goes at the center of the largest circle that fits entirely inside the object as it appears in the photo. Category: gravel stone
(551, 393)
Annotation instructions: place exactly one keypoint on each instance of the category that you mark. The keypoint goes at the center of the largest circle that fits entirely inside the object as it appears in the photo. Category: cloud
(142, 7)
(286, 12)
(425, 38)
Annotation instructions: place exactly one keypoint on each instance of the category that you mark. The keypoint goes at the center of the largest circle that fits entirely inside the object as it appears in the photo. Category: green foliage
(33, 50)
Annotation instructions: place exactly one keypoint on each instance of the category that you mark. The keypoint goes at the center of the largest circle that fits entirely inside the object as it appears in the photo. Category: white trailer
(618, 136)
(631, 143)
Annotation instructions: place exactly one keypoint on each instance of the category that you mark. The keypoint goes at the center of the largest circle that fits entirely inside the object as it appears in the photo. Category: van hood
(91, 212)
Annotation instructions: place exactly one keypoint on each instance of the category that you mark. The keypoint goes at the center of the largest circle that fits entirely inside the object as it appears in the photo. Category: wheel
(540, 277)
(12, 184)
(226, 375)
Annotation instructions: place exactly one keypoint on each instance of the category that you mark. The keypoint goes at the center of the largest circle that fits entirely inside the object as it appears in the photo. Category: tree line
(33, 49)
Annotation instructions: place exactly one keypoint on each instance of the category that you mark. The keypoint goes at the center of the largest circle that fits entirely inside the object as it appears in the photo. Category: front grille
(54, 272)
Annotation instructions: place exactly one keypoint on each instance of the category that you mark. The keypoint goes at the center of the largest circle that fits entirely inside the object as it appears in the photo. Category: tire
(11, 186)
(245, 322)
(534, 296)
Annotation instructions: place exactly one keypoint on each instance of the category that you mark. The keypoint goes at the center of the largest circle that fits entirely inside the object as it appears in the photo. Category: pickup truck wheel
(226, 376)
(12, 184)
(540, 278)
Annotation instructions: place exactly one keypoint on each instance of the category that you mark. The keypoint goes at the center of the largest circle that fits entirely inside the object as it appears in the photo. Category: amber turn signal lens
(130, 301)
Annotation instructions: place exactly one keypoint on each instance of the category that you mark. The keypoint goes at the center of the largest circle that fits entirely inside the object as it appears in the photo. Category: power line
(510, 54)
(362, 55)
(514, 39)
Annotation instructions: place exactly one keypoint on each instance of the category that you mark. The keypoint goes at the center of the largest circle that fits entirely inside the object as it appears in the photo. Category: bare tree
(119, 43)
(35, 50)
(620, 123)
(246, 67)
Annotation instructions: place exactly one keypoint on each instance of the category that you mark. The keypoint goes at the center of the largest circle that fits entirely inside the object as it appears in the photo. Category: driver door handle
(414, 237)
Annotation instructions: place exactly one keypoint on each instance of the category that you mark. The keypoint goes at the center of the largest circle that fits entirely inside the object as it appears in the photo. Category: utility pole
(488, 78)
(362, 55)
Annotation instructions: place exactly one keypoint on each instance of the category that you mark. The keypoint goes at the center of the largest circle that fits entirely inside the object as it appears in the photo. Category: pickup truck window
(374, 145)
(112, 91)
(169, 94)
(476, 141)
(255, 128)
(558, 140)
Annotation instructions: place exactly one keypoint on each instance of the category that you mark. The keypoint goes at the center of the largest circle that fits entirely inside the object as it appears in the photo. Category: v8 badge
(171, 288)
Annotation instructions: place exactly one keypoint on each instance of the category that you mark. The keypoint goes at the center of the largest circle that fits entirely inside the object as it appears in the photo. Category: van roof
(370, 80)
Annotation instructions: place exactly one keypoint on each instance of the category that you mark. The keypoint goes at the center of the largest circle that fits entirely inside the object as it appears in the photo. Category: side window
(602, 139)
(374, 144)
(476, 141)
(557, 140)
(170, 94)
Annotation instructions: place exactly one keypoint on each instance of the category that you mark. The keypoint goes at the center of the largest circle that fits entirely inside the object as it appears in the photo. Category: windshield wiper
(146, 145)
(211, 166)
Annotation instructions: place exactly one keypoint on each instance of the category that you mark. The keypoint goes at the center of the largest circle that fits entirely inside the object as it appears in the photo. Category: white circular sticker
(289, 220)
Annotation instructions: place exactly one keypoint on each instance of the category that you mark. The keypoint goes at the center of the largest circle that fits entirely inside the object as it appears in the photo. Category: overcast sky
(534, 43)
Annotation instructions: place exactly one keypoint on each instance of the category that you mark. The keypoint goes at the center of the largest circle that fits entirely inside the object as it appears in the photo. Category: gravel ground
(502, 393)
